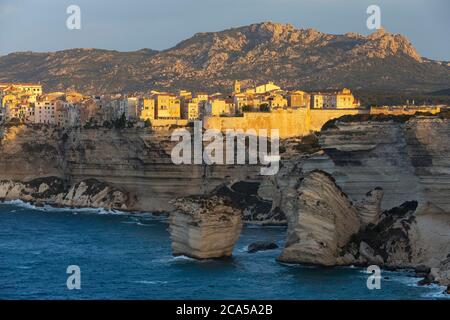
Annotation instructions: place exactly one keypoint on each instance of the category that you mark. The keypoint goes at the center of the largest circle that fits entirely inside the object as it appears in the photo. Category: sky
(127, 25)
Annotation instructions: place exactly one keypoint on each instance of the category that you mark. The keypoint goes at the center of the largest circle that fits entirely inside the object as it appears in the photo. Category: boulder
(261, 246)
(368, 254)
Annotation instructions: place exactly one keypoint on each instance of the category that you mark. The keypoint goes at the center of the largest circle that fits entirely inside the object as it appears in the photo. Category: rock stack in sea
(326, 228)
(204, 227)
(321, 220)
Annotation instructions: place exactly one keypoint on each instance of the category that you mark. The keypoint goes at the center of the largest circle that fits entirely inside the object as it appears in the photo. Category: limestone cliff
(408, 160)
(204, 228)
(136, 160)
(441, 273)
(370, 207)
(326, 228)
(321, 220)
(56, 192)
(402, 238)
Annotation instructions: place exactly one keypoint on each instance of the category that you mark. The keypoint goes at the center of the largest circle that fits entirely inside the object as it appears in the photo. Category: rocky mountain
(294, 58)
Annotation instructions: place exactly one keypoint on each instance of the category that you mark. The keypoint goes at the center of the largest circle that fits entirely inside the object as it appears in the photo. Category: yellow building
(148, 110)
(317, 101)
(343, 99)
(218, 107)
(185, 94)
(277, 101)
(193, 111)
(297, 99)
(267, 87)
(202, 96)
(167, 106)
(30, 88)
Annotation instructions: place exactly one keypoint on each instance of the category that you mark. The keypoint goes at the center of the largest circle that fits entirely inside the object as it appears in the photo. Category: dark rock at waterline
(422, 269)
(261, 246)
(447, 291)
(429, 279)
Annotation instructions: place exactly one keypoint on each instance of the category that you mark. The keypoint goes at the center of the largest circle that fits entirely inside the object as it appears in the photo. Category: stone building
(343, 99)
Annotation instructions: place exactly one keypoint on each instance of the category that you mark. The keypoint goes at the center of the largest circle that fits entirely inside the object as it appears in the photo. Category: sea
(128, 256)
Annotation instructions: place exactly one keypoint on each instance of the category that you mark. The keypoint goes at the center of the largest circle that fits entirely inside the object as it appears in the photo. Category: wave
(150, 282)
(20, 204)
(89, 210)
(438, 292)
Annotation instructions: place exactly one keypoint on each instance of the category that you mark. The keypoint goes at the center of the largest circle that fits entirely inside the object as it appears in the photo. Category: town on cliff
(347, 200)
(264, 106)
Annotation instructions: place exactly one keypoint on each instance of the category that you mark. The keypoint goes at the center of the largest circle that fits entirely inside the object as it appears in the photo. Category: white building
(58, 113)
(45, 112)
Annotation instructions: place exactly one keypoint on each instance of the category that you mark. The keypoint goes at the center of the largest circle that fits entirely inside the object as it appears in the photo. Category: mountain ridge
(211, 61)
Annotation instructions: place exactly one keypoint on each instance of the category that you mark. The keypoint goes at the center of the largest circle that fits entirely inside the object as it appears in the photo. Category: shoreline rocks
(204, 228)
(390, 242)
(54, 191)
(261, 246)
(326, 228)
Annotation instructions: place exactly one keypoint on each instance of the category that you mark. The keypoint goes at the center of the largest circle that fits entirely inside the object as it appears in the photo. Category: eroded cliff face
(135, 160)
(409, 161)
(400, 162)
(56, 192)
(326, 228)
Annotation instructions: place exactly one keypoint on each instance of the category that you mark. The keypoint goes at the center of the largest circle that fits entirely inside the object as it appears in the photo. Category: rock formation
(254, 54)
(325, 228)
(321, 221)
(441, 274)
(403, 238)
(56, 192)
(204, 227)
(409, 160)
(369, 208)
(136, 160)
(391, 242)
(261, 246)
(255, 209)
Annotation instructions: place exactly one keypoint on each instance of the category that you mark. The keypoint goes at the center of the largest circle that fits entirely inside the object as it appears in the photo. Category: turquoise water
(129, 257)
